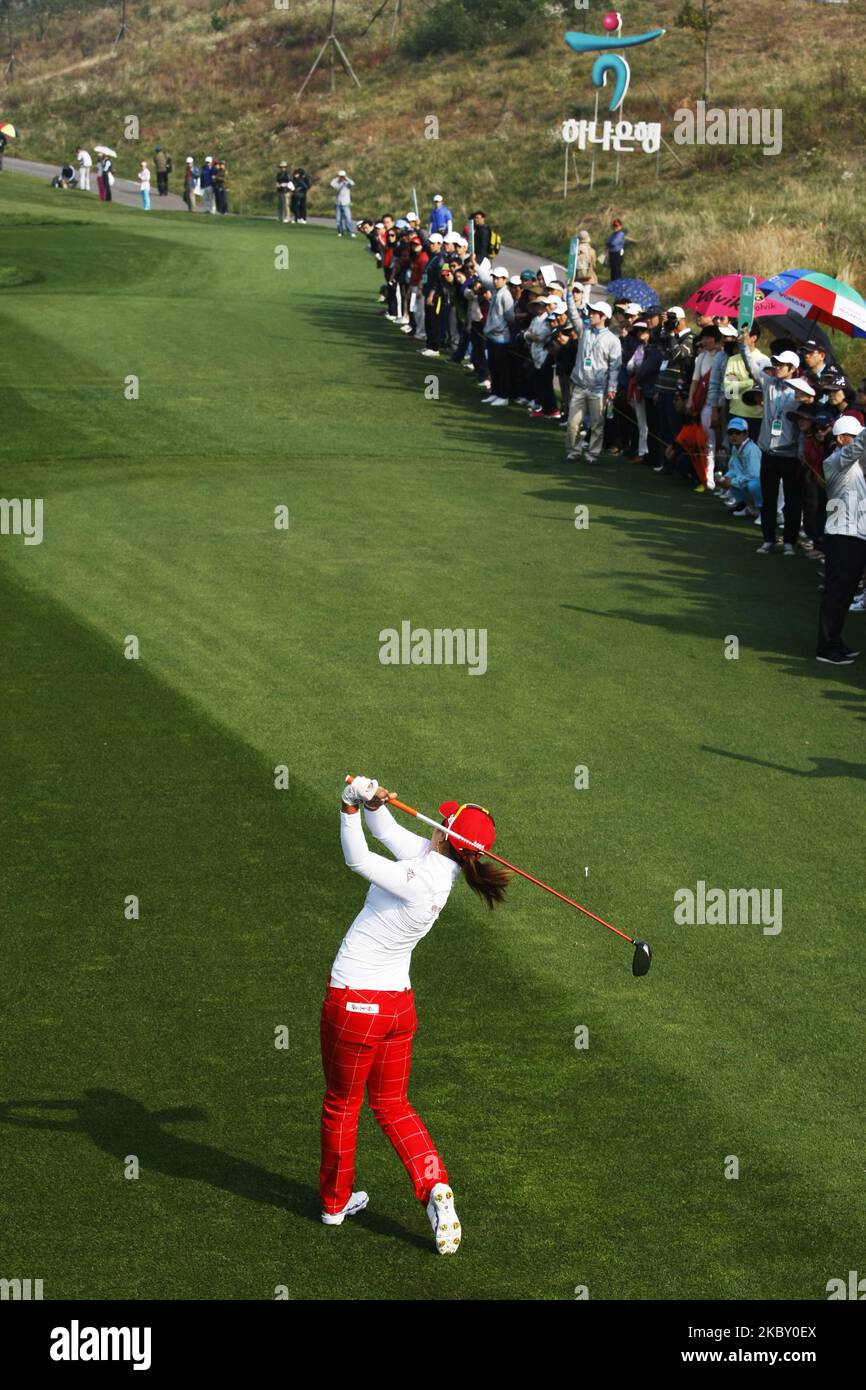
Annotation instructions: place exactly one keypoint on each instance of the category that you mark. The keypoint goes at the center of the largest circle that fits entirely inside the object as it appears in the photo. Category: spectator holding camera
(815, 423)
(676, 346)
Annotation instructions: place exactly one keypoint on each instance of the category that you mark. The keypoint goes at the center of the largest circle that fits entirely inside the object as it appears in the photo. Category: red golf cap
(473, 822)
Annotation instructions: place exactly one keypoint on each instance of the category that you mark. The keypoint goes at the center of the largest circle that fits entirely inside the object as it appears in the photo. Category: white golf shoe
(444, 1220)
(356, 1203)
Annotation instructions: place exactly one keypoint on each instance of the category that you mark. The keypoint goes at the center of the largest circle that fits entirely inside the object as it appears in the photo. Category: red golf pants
(367, 1041)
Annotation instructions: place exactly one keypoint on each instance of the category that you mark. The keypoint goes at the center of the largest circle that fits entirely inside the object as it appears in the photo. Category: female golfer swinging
(368, 1016)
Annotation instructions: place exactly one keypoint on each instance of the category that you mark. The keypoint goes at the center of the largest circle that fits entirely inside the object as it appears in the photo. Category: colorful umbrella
(820, 298)
(8, 129)
(638, 291)
(721, 296)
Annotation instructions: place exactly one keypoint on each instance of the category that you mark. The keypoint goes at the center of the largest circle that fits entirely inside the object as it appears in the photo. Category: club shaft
(547, 888)
(411, 811)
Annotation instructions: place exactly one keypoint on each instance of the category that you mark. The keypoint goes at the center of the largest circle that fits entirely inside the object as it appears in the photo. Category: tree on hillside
(458, 26)
(700, 21)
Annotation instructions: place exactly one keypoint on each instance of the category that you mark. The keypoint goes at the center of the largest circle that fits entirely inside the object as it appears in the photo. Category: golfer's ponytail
(486, 879)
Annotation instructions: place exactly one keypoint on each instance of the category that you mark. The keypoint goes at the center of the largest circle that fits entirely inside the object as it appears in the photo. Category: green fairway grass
(259, 648)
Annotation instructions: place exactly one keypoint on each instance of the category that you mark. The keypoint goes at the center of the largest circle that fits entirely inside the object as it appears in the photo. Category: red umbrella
(721, 297)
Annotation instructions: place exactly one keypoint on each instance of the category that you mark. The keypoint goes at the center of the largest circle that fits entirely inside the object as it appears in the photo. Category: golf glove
(359, 790)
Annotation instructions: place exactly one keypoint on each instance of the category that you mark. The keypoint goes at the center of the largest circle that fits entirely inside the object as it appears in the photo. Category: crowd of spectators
(766, 423)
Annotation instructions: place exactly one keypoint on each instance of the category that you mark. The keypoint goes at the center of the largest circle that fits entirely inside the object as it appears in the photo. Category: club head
(643, 958)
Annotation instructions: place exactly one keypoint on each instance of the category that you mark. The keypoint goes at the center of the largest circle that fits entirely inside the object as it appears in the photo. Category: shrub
(459, 26)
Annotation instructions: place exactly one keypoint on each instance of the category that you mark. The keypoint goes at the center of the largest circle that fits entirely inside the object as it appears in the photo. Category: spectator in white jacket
(594, 377)
(551, 313)
(85, 163)
(342, 186)
(497, 334)
(844, 541)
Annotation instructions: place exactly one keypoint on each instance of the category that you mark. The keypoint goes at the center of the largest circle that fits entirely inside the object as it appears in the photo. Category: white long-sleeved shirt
(846, 490)
(500, 315)
(403, 902)
(342, 188)
(538, 335)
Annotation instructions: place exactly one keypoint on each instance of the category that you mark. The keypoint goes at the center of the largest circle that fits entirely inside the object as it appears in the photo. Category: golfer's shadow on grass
(824, 767)
(120, 1126)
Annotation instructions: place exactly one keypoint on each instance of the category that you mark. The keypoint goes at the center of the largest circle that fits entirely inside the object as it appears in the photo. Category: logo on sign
(609, 61)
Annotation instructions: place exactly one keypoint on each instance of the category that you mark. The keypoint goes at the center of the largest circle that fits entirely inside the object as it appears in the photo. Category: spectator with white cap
(497, 333)
(844, 537)
(207, 189)
(804, 391)
(441, 218)
(452, 257)
(552, 315)
(342, 186)
(594, 376)
(85, 164)
(779, 444)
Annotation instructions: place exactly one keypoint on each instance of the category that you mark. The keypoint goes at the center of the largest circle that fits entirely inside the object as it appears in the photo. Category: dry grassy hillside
(232, 91)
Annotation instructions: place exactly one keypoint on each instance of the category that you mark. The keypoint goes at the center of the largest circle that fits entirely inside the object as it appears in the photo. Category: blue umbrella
(636, 290)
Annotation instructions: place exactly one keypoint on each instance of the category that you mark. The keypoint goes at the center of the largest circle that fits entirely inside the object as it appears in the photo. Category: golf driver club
(642, 958)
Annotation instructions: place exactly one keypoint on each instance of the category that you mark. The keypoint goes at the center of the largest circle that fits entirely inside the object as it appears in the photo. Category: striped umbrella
(820, 298)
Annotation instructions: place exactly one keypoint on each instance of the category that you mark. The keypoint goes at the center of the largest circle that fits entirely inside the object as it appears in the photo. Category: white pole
(593, 143)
